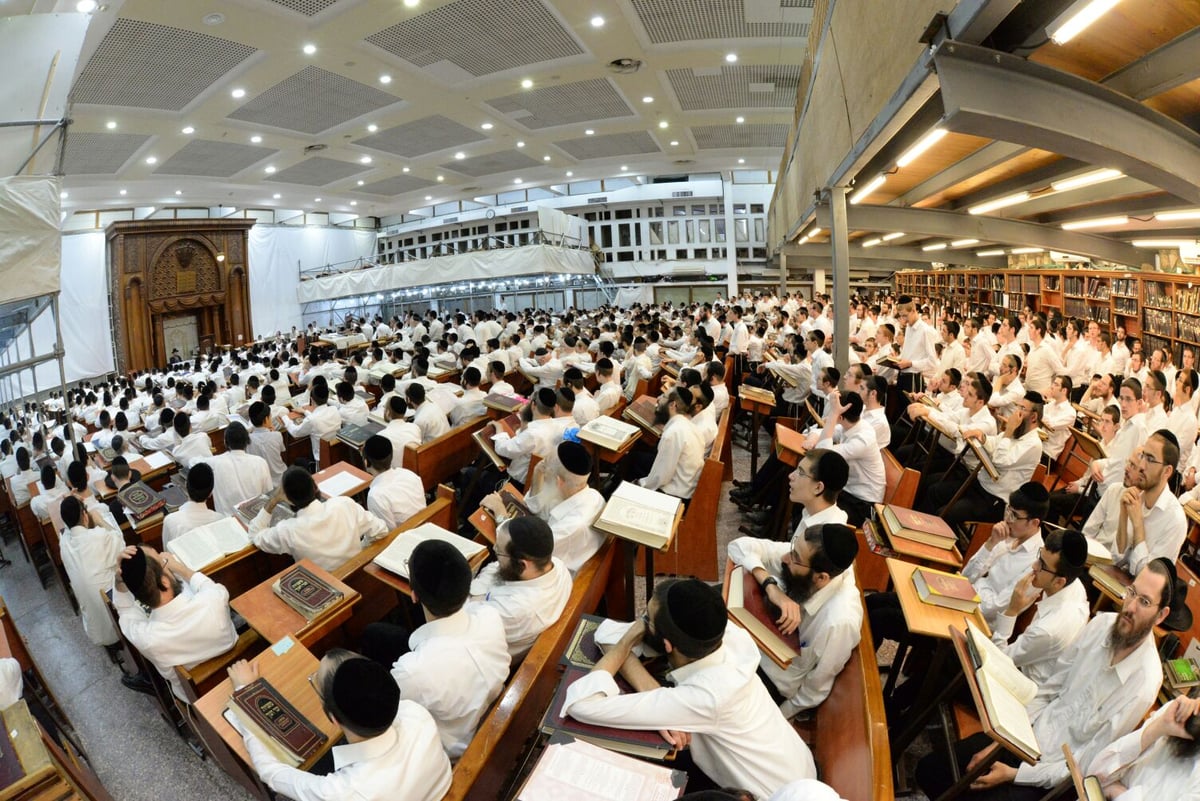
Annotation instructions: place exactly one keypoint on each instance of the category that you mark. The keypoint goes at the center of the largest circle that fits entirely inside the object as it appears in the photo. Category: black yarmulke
(133, 571)
(377, 448)
(440, 573)
(697, 610)
(839, 544)
(575, 458)
(1074, 549)
(366, 694)
(546, 398)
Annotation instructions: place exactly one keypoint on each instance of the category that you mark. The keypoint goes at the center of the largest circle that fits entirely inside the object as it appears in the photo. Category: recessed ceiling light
(255, 139)
(151, 159)
(740, 120)
(178, 192)
(411, 3)
(663, 123)
(441, 177)
(460, 155)
(569, 173)
(110, 124)
(487, 126)
(189, 129)
(316, 200)
(405, 169)
(731, 57)
(429, 197)
(353, 202)
(521, 143)
(277, 196)
(213, 19)
(647, 99)
(597, 21)
(385, 78)
(527, 84)
(238, 93)
(674, 143)
(123, 192)
(270, 170)
(365, 160)
(361, 182)
(517, 180)
(545, 158)
(589, 132)
(309, 49)
(372, 128)
(63, 195)
(741, 161)
(624, 168)
(85, 6)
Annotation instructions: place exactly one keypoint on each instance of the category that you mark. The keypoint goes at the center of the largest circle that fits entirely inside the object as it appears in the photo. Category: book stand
(757, 409)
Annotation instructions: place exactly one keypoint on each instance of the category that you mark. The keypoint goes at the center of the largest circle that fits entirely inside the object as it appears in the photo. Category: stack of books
(141, 501)
(1182, 673)
(305, 592)
(947, 590)
(918, 527)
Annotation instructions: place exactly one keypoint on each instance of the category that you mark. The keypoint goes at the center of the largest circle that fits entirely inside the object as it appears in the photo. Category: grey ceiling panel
(713, 137)
(750, 86)
(99, 153)
(213, 159)
(318, 171)
(609, 145)
(504, 161)
(422, 136)
(577, 102)
(397, 185)
(694, 20)
(309, 8)
(313, 100)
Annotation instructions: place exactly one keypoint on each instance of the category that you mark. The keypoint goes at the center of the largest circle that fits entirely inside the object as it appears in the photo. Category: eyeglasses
(795, 559)
(1148, 459)
(803, 474)
(1143, 601)
(1010, 514)
(1042, 565)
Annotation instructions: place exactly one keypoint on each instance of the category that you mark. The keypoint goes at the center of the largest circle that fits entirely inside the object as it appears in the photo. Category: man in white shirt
(1007, 389)
(952, 354)
(327, 532)
(399, 430)
(1010, 551)
(321, 422)
(1043, 361)
(396, 494)
(1154, 394)
(526, 584)
(917, 354)
(1058, 416)
(978, 347)
(544, 369)
(239, 475)
(1056, 584)
(718, 705)
(90, 549)
(188, 619)
(195, 512)
(859, 447)
(1098, 690)
(266, 442)
(192, 446)
(586, 408)
(608, 394)
(680, 454)
(1182, 420)
(351, 408)
(1159, 760)
(392, 749)
(637, 367)
(1150, 520)
(427, 415)
(470, 404)
(973, 414)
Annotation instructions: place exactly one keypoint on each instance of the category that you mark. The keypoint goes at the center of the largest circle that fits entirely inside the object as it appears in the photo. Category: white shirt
(89, 555)
(918, 347)
(1165, 524)
(395, 496)
(1057, 622)
(431, 420)
(401, 433)
(327, 532)
(187, 517)
(859, 447)
(680, 458)
(354, 411)
(40, 503)
(468, 407)
(238, 476)
(1086, 703)
(268, 444)
(995, 571)
(1155, 774)
(527, 607)
(1057, 418)
(193, 448)
(1015, 461)
(1184, 424)
(456, 669)
(406, 761)
(321, 422)
(586, 409)
(1041, 367)
(608, 396)
(575, 540)
(739, 739)
(539, 436)
(1131, 434)
(190, 628)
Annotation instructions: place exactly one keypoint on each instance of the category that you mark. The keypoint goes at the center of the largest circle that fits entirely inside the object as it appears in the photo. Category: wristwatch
(767, 582)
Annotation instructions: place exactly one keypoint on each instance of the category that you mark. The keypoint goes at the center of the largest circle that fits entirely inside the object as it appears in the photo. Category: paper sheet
(157, 459)
(338, 484)
(584, 772)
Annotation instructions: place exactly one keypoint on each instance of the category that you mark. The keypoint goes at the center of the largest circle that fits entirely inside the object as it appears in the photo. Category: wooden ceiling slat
(1026, 162)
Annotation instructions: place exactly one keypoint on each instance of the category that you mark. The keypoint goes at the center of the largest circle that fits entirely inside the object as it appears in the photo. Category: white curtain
(87, 335)
(29, 252)
(277, 253)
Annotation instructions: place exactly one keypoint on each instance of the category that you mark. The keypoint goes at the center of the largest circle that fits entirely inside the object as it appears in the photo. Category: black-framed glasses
(1010, 515)
(1042, 564)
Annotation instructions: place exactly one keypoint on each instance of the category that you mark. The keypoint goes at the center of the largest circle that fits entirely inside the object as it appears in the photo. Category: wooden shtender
(273, 619)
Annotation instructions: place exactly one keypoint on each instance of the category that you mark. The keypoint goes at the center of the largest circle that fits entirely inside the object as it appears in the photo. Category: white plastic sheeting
(478, 266)
(29, 237)
(560, 228)
(277, 253)
(86, 327)
(629, 295)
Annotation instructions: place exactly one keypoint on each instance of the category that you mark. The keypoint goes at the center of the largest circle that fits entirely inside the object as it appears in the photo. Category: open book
(247, 510)
(395, 557)
(610, 433)
(1005, 692)
(202, 546)
(641, 515)
(576, 769)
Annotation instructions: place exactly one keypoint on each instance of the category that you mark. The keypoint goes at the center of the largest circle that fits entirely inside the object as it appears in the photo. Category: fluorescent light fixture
(570, 173)
(411, 3)
(151, 159)
(870, 243)
(429, 197)
(361, 182)
(674, 143)
(85, 6)
(924, 143)
(1000, 203)
(589, 132)
(123, 192)
(487, 126)
(517, 181)
(996, 252)
(316, 200)
(545, 158)
(1023, 251)
(277, 196)
(353, 202)
(624, 168)
(962, 243)
(441, 177)
(1162, 243)
(1077, 18)
(270, 170)
(1086, 179)
(178, 192)
(647, 99)
(731, 58)
(741, 161)
(740, 120)
(521, 144)
(867, 189)
(891, 236)
(816, 230)
(1097, 222)
(802, 240)
(365, 160)
(63, 195)
(663, 123)
(405, 169)
(1178, 216)
(937, 246)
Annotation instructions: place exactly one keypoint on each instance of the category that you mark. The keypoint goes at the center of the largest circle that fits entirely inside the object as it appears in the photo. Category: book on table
(757, 394)
(503, 403)
(306, 592)
(357, 436)
(140, 500)
(581, 771)
(205, 544)
(1110, 578)
(947, 590)
(173, 497)
(1181, 673)
(643, 516)
(582, 651)
(917, 526)
(248, 509)
(395, 556)
(1098, 553)
(263, 710)
(634, 742)
(884, 543)
(608, 432)
(641, 411)
(748, 606)
(1005, 692)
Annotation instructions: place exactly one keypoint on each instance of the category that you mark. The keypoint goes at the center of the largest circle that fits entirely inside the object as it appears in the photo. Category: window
(691, 230)
(656, 233)
(624, 214)
(680, 211)
(673, 232)
(697, 209)
(714, 208)
(739, 208)
(756, 208)
(760, 229)
(705, 229)
(741, 230)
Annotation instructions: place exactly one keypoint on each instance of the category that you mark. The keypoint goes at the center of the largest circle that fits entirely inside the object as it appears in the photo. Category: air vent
(598, 199)
(315, 148)
(448, 220)
(517, 209)
(624, 66)
(682, 161)
(686, 193)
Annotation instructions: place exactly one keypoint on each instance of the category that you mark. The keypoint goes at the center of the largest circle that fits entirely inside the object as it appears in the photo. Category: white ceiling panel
(581, 101)
(313, 100)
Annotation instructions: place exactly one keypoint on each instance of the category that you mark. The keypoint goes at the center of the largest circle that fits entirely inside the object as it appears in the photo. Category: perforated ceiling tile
(505, 161)
(735, 87)
(214, 159)
(479, 37)
(309, 8)
(313, 100)
(143, 65)
(422, 136)
(396, 186)
(710, 137)
(691, 20)
(561, 105)
(318, 171)
(99, 153)
(607, 145)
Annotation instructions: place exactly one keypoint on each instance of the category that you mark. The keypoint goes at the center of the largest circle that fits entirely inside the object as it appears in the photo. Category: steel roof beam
(1161, 70)
(864, 258)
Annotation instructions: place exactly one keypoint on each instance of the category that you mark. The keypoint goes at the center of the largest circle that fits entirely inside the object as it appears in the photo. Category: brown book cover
(641, 411)
(757, 394)
(267, 709)
(945, 589)
(1111, 578)
(483, 438)
(357, 436)
(748, 606)
(503, 403)
(303, 591)
(789, 445)
(636, 742)
(885, 543)
(140, 500)
(582, 650)
(913, 525)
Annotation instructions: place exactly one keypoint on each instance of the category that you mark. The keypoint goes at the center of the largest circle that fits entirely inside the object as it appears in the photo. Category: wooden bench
(438, 460)
(870, 569)
(486, 766)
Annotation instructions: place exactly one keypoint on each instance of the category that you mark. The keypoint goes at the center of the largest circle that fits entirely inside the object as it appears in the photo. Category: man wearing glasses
(1097, 691)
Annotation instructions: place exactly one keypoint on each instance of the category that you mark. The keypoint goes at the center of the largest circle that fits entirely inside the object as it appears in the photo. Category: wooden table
(363, 478)
(400, 584)
(288, 666)
(273, 619)
(757, 409)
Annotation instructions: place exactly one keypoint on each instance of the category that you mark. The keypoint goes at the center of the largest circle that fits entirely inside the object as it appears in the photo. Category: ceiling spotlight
(441, 177)
(597, 21)
(123, 192)
(365, 160)
(151, 159)
(487, 126)
(372, 128)
(429, 197)
(740, 120)
(255, 139)
(111, 124)
(353, 202)
(570, 173)
(361, 182)
(731, 57)
(213, 19)
(527, 84)
(624, 168)
(63, 195)
(270, 170)
(937, 246)
(309, 49)
(238, 93)
(871, 186)
(545, 158)
(178, 192)
(647, 99)
(411, 3)
(316, 200)
(1097, 222)
(521, 143)
(385, 79)
(189, 129)
(405, 169)
(674, 143)
(663, 123)
(741, 161)
(891, 236)
(1000, 203)
(924, 143)
(277, 196)
(517, 181)
(85, 6)
(460, 155)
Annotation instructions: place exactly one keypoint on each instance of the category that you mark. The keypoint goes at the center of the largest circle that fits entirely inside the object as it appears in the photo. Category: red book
(270, 714)
(913, 525)
(945, 589)
(635, 742)
(748, 606)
